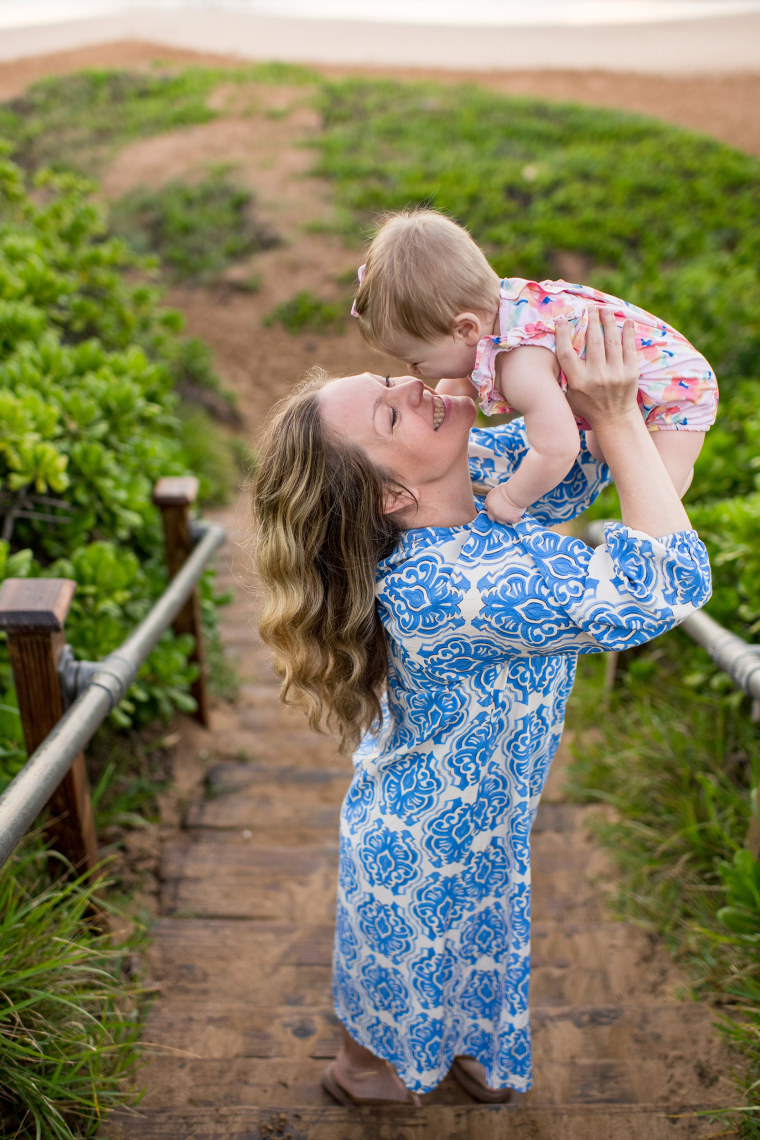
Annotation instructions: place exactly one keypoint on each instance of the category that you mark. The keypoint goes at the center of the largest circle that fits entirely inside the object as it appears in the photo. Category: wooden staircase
(242, 1024)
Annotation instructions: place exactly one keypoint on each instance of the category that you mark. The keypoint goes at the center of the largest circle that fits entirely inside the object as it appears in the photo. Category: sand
(714, 44)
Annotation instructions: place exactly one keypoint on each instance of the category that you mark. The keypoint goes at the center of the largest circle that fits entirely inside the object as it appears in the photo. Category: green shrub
(90, 421)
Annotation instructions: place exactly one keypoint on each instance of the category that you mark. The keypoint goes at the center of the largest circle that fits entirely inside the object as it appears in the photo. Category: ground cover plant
(306, 312)
(198, 230)
(76, 122)
(90, 421)
(68, 1003)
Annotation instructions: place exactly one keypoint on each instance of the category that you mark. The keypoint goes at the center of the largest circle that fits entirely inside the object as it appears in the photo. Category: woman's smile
(439, 410)
(417, 435)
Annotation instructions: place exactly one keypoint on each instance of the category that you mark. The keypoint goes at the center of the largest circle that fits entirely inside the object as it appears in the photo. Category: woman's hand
(603, 390)
(604, 386)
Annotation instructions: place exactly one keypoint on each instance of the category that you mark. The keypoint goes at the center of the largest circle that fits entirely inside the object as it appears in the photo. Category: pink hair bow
(360, 273)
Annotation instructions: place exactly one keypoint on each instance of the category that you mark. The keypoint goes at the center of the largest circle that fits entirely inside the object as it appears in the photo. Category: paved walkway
(242, 1024)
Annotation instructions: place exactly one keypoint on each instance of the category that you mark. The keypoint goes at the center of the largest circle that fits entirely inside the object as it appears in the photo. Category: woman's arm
(603, 390)
(554, 593)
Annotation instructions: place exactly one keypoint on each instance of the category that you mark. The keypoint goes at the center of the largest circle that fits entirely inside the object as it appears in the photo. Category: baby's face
(443, 357)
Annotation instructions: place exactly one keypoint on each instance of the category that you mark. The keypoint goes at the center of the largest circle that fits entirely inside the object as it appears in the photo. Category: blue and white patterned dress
(484, 625)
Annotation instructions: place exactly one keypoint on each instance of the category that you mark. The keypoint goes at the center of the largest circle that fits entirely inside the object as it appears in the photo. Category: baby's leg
(679, 450)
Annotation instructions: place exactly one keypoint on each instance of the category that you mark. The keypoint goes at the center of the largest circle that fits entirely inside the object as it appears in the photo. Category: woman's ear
(398, 500)
(468, 328)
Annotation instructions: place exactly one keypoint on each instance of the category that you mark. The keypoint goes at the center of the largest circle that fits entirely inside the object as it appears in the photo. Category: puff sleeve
(566, 596)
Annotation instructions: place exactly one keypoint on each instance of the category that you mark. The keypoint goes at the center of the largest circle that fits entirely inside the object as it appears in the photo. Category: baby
(428, 296)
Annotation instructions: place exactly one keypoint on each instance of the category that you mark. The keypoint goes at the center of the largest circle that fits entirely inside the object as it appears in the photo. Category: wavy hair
(320, 533)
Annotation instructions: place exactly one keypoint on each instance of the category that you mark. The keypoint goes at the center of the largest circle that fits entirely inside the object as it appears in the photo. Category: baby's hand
(501, 508)
(462, 386)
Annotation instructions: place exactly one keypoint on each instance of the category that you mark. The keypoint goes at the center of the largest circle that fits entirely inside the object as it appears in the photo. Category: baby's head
(423, 273)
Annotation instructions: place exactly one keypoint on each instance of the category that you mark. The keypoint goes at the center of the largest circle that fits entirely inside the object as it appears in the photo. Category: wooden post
(33, 612)
(174, 495)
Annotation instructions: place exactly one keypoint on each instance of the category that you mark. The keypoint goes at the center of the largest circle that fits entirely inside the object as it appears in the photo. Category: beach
(726, 43)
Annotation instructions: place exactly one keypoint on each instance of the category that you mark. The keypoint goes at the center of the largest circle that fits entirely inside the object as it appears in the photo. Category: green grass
(679, 766)
(127, 772)
(69, 1018)
(197, 229)
(305, 312)
(76, 122)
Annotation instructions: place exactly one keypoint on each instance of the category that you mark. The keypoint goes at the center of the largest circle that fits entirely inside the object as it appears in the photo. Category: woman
(381, 568)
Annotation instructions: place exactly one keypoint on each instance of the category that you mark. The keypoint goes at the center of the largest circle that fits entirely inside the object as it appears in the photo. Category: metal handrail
(103, 688)
(730, 653)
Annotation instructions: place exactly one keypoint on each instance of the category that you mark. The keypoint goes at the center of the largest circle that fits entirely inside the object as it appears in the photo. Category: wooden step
(291, 744)
(246, 781)
(220, 873)
(331, 781)
(215, 1030)
(187, 1081)
(602, 964)
(432, 1122)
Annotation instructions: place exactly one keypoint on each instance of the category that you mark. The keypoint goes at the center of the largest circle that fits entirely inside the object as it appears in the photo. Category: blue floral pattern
(484, 625)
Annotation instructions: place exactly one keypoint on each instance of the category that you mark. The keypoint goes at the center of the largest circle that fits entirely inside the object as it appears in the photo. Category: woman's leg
(364, 1075)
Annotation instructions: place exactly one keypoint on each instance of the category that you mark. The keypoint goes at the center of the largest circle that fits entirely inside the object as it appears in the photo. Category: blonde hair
(422, 269)
(321, 531)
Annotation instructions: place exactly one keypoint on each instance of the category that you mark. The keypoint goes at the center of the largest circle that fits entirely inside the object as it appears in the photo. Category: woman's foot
(357, 1077)
(380, 1084)
(471, 1075)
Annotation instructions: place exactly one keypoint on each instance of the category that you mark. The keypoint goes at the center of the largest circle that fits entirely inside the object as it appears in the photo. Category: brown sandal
(478, 1090)
(332, 1085)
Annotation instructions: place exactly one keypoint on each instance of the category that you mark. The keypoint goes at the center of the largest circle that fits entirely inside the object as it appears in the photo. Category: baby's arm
(528, 381)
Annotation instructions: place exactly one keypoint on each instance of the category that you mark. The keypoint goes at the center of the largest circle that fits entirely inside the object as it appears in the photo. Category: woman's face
(402, 425)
